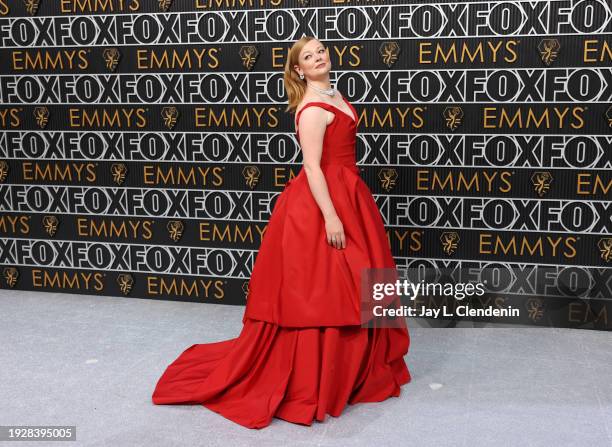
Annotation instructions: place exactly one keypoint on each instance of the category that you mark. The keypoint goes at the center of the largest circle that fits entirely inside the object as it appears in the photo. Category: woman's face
(314, 61)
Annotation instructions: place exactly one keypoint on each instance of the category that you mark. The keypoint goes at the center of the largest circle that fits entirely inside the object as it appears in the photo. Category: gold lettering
(68, 280)
(523, 246)
(117, 118)
(181, 287)
(592, 187)
(108, 228)
(14, 224)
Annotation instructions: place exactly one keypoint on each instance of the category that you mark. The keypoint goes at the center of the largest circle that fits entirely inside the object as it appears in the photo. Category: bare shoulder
(305, 100)
(313, 110)
(314, 115)
(338, 103)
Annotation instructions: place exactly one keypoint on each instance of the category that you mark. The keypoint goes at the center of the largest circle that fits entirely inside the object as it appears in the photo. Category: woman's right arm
(312, 126)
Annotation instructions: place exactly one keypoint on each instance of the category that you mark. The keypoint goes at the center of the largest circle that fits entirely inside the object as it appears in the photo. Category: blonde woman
(302, 353)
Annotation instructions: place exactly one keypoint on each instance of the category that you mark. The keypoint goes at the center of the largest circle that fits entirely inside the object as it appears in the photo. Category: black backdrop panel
(144, 144)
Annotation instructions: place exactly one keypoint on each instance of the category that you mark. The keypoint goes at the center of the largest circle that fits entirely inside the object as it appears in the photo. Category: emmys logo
(4, 168)
(170, 116)
(125, 281)
(453, 116)
(541, 182)
(609, 116)
(449, 241)
(31, 6)
(41, 114)
(605, 247)
(389, 52)
(251, 175)
(248, 55)
(50, 224)
(119, 172)
(10, 276)
(175, 229)
(535, 309)
(388, 178)
(111, 58)
(164, 5)
(549, 49)
(245, 289)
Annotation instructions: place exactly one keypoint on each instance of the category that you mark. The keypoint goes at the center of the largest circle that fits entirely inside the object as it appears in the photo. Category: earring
(301, 76)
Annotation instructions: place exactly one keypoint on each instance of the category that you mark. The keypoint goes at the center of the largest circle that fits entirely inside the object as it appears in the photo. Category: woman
(302, 352)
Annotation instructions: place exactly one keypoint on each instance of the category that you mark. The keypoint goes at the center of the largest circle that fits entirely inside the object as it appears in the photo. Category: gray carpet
(93, 361)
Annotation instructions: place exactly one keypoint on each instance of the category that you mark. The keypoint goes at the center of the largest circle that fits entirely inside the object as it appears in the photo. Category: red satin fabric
(301, 353)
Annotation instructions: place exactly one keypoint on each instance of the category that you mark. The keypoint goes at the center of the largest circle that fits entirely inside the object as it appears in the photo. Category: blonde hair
(294, 86)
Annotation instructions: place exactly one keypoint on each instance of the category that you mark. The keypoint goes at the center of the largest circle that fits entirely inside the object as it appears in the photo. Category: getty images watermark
(492, 294)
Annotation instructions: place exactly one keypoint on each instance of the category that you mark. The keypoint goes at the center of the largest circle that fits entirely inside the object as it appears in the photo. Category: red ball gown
(302, 352)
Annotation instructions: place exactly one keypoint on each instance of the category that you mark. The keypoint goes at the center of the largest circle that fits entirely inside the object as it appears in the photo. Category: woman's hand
(335, 232)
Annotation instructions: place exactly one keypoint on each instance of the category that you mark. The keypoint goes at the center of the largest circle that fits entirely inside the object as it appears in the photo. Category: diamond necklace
(329, 92)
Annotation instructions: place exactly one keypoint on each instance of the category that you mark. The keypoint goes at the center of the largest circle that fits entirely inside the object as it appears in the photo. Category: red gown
(301, 353)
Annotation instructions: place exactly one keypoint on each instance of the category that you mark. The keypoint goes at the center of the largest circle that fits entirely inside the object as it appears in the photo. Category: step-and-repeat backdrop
(143, 143)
